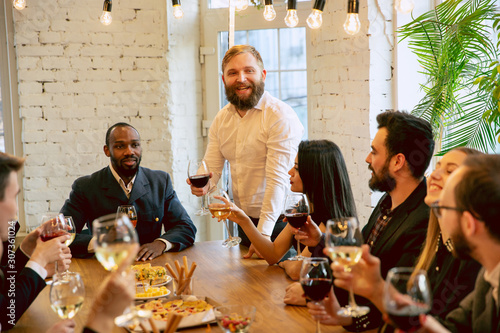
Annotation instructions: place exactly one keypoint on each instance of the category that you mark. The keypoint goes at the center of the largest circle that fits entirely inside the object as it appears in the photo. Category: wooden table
(221, 274)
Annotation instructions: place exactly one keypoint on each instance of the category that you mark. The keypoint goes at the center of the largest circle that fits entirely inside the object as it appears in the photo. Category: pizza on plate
(155, 275)
(185, 308)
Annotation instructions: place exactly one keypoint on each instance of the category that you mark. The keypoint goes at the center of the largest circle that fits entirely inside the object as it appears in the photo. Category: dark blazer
(152, 195)
(477, 313)
(401, 241)
(398, 245)
(28, 284)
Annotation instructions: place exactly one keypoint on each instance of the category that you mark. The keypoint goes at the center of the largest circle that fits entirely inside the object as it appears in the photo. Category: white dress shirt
(261, 147)
(493, 279)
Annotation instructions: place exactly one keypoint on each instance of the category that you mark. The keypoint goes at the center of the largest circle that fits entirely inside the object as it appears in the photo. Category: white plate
(152, 297)
(169, 279)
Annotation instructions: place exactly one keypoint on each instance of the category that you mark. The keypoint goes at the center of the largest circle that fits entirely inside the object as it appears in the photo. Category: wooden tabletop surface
(221, 274)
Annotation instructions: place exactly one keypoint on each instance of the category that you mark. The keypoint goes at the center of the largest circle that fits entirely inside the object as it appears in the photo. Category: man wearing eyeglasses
(470, 213)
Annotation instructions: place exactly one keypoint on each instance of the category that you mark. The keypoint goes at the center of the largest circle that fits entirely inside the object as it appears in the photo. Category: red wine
(49, 236)
(316, 289)
(297, 220)
(406, 318)
(199, 181)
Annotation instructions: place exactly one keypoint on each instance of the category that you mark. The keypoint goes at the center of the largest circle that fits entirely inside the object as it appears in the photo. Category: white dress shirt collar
(493, 279)
(126, 188)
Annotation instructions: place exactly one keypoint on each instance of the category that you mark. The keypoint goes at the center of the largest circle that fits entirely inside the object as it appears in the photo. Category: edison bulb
(106, 18)
(315, 19)
(178, 13)
(404, 6)
(352, 24)
(291, 19)
(269, 13)
(19, 4)
(241, 5)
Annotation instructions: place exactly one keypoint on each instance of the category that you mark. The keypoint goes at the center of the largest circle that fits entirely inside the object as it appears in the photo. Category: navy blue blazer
(152, 195)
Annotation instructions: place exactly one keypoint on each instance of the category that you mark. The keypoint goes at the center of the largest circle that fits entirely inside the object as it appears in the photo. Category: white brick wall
(78, 77)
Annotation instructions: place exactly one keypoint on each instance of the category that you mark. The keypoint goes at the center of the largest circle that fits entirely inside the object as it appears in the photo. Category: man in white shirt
(259, 135)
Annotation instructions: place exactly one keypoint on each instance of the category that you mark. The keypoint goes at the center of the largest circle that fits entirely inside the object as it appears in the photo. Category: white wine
(220, 212)
(346, 256)
(66, 308)
(111, 256)
(70, 240)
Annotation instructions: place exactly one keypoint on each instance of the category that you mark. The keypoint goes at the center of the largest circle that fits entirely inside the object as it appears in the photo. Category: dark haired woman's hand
(309, 234)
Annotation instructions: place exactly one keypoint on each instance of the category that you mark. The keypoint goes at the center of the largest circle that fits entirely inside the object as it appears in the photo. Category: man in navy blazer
(125, 182)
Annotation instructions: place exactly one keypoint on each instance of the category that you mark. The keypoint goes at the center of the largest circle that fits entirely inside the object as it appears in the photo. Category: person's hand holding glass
(55, 225)
(220, 207)
(115, 239)
(296, 212)
(199, 175)
(343, 240)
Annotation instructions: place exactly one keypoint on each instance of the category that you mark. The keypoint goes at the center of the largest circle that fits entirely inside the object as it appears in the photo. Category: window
(283, 52)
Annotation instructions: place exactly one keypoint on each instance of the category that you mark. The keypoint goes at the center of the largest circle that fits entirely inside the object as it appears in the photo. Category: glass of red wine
(130, 211)
(199, 175)
(54, 225)
(296, 213)
(407, 294)
(316, 279)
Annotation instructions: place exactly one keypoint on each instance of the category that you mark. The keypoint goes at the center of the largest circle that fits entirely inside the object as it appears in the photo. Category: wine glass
(70, 226)
(316, 279)
(130, 211)
(67, 293)
(221, 211)
(55, 225)
(407, 294)
(343, 240)
(199, 175)
(296, 213)
(114, 239)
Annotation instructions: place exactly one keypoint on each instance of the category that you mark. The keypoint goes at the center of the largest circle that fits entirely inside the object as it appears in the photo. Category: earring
(449, 245)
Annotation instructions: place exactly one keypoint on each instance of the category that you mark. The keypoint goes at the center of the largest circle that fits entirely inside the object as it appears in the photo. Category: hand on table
(309, 234)
(292, 268)
(50, 251)
(295, 295)
(252, 250)
(115, 294)
(199, 191)
(64, 326)
(326, 312)
(150, 251)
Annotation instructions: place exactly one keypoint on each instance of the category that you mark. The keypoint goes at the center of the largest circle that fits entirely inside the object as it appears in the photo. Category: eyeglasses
(437, 209)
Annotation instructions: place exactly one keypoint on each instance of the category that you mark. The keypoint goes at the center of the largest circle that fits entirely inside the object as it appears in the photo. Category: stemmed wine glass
(114, 238)
(296, 213)
(67, 293)
(55, 225)
(221, 211)
(199, 175)
(130, 211)
(407, 294)
(70, 225)
(316, 279)
(343, 240)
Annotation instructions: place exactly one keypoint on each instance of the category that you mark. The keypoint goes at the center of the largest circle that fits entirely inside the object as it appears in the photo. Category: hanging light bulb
(315, 19)
(292, 18)
(352, 24)
(178, 13)
(269, 12)
(241, 5)
(19, 4)
(404, 6)
(106, 18)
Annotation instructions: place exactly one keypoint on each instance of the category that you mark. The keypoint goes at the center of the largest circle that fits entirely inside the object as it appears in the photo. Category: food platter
(153, 297)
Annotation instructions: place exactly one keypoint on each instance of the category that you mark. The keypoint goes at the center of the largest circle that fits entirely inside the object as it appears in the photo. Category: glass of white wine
(70, 227)
(343, 240)
(67, 293)
(221, 210)
(114, 239)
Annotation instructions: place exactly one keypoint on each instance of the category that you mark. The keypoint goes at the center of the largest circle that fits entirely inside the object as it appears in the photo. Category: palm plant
(454, 46)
